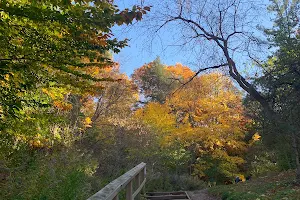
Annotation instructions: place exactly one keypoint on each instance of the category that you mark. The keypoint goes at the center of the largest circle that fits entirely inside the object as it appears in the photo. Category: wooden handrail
(136, 176)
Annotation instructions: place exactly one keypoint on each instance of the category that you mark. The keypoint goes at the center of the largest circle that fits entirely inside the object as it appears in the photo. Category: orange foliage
(180, 71)
(207, 116)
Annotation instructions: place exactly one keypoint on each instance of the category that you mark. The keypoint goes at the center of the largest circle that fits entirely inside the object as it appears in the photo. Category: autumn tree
(205, 118)
(155, 83)
(113, 135)
(43, 39)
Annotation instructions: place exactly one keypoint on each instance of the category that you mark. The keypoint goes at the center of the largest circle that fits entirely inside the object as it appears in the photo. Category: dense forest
(71, 121)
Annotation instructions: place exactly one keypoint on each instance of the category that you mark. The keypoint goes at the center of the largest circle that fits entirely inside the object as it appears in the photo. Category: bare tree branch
(198, 26)
(197, 73)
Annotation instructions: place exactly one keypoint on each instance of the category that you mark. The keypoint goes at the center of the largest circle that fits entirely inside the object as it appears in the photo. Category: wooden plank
(113, 188)
(143, 177)
(139, 189)
(163, 193)
(137, 180)
(129, 191)
(182, 196)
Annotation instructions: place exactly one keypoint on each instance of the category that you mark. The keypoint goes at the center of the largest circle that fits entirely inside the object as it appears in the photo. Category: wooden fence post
(138, 183)
(143, 178)
(144, 174)
(129, 191)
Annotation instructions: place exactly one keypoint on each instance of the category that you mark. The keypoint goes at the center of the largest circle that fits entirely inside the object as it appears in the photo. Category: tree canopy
(52, 42)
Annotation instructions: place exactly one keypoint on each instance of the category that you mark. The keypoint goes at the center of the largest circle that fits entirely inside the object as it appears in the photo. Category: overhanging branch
(198, 72)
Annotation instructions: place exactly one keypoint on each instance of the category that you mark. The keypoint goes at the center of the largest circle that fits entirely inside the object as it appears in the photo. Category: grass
(275, 186)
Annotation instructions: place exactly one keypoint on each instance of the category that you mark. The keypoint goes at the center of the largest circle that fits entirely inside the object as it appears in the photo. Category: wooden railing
(132, 181)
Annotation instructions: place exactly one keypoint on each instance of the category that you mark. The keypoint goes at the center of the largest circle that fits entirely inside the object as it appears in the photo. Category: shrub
(173, 182)
(62, 174)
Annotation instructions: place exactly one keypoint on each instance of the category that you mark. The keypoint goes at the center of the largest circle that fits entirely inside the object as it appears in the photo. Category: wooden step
(178, 195)
(165, 193)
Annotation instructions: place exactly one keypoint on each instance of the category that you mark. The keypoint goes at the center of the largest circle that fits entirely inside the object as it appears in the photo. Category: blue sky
(139, 51)
(143, 48)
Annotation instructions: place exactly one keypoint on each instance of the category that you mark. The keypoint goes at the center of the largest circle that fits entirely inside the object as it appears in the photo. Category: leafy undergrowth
(170, 182)
(279, 186)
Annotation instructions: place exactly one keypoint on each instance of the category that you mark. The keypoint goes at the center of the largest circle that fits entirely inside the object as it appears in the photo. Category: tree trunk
(296, 152)
(267, 110)
(75, 111)
(265, 105)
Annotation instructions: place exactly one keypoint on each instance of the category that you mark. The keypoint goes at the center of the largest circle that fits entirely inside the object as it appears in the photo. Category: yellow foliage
(207, 115)
(6, 77)
(88, 122)
(242, 177)
(256, 137)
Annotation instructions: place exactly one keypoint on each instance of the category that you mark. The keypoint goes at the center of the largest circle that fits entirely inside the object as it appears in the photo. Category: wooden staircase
(133, 182)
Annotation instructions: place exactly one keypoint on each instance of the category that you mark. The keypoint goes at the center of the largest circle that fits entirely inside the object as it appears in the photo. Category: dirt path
(201, 195)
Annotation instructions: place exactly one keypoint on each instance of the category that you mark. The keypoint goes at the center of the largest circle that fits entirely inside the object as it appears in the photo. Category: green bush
(263, 164)
(62, 174)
